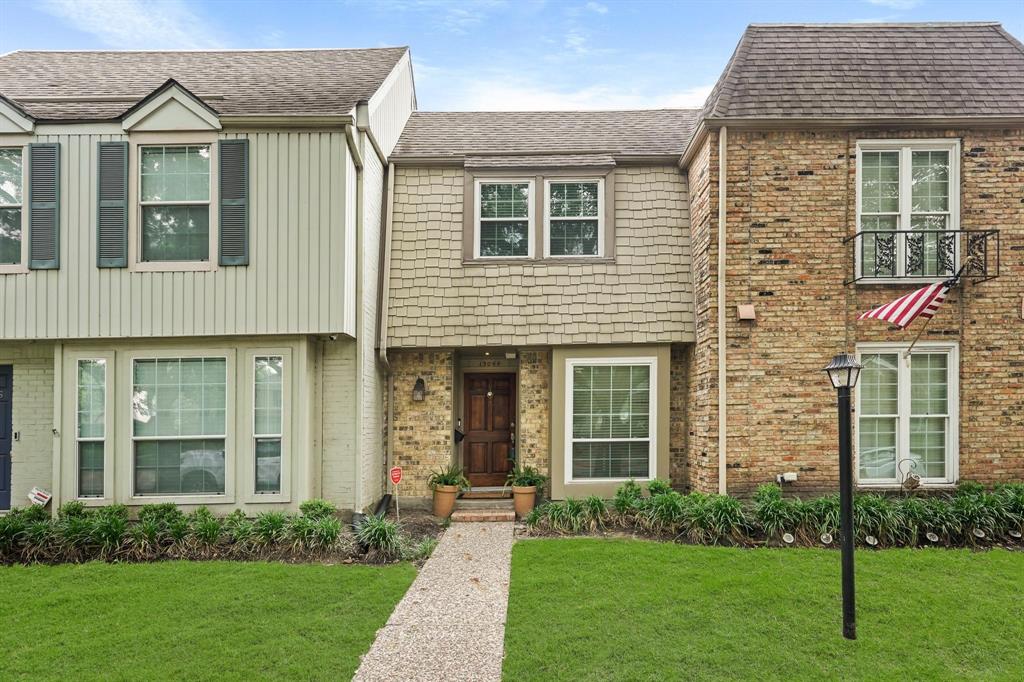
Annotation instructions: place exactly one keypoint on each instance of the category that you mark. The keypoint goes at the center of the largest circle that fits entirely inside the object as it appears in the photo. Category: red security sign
(396, 475)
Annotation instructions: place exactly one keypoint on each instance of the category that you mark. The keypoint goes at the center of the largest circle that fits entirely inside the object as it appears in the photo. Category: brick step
(505, 493)
(481, 515)
(484, 505)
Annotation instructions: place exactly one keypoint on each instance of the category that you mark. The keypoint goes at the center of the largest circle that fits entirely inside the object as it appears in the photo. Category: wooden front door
(6, 375)
(490, 408)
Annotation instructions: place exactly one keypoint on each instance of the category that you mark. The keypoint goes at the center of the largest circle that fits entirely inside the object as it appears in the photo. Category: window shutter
(44, 206)
(112, 215)
(234, 201)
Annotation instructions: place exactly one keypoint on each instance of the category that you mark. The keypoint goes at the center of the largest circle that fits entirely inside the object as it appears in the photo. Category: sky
(485, 54)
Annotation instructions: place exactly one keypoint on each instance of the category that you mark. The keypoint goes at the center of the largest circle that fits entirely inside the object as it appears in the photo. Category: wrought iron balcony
(924, 255)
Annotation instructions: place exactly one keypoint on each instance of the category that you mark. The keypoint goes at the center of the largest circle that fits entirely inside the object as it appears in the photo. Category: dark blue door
(6, 374)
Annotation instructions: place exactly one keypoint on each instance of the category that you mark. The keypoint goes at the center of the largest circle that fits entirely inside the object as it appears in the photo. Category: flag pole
(953, 282)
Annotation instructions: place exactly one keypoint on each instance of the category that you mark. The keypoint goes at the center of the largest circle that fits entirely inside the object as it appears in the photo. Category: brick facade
(534, 432)
(422, 430)
(31, 417)
(790, 202)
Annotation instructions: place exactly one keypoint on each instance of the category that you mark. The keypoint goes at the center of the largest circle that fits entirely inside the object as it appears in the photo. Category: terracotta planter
(444, 500)
(523, 498)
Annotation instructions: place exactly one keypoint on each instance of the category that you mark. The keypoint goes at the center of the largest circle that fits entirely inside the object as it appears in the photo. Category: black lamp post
(843, 372)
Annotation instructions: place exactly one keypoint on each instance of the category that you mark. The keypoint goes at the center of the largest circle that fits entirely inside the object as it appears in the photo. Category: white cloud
(597, 7)
(896, 4)
(450, 15)
(135, 24)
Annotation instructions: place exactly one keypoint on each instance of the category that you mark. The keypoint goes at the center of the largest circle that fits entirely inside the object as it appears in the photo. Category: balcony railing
(924, 254)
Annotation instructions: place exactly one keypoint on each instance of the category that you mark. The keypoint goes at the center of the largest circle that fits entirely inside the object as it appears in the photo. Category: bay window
(907, 208)
(504, 219)
(573, 219)
(174, 197)
(611, 418)
(179, 425)
(907, 413)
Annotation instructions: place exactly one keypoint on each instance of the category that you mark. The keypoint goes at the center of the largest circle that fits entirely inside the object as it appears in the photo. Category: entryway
(6, 424)
(489, 405)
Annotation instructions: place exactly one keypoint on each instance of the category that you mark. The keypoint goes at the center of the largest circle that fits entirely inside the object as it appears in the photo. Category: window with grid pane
(175, 199)
(611, 421)
(11, 181)
(907, 186)
(268, 405)
(179, 425)
(504, 220)
(904, 416)
(573, 218)
(91, 426)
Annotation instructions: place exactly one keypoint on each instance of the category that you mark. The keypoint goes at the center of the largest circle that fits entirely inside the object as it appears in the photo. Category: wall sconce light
(419, 391)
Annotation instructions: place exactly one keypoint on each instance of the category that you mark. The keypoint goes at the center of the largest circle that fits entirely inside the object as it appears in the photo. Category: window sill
(181, 499)
(897, 487)
(549, 260)
(890, 281)
(175, 266)
(13, 270)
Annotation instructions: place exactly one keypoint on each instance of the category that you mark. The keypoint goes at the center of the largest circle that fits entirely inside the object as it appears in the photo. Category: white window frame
(137, 142)
(906, 147)
(229, 415)
(952, 350)
(570, 364)
(548, 217)
(109, 445)
(22, 267)
(283, 495)
(530, 210)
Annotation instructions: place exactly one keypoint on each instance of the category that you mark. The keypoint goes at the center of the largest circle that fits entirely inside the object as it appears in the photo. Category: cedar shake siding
(642, 294)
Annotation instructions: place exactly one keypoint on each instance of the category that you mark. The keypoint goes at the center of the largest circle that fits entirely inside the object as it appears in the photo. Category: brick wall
(337, 387)
(421, 430)
(534, 428)
(643, 296)
(31, 417)
(679, 425)
(791, 200)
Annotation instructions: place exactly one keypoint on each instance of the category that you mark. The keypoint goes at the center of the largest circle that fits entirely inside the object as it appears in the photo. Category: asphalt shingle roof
(103, 85)
(456, 135)
(872, 71)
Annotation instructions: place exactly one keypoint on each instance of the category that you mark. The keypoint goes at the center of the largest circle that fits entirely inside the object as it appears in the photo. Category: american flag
(924, 303)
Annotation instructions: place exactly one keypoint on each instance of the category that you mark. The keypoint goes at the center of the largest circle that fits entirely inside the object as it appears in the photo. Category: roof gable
(871, 71)
(170, 107)
(13, 119)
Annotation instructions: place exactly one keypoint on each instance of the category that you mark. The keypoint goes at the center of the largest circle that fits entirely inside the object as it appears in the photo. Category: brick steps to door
(482, 515)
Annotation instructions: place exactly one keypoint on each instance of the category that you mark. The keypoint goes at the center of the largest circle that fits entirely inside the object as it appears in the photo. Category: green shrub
(39, 541)
(664, 512)
(270, 527)
(449, 475)
(206, 530)
(72, 508)
(11, 528)
(969, 488)
(145, 537)
(30, 514)
(163, 514)
(627, 497)
(380, 535)
(658, 486)
(772, 512)
(420, 551)
(238, 527)
(75, 533)
(595, 510)
(525, 477)
(110, 529)
(317, 509)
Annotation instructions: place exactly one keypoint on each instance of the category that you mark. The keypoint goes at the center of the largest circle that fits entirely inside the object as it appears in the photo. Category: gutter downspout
(355, 148)
(722, 393)
(387, 215)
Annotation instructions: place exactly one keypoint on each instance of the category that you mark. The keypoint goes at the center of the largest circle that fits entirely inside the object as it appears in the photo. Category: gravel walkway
(451, 623)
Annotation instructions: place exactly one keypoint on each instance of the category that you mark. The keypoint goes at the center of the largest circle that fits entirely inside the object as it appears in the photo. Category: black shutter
(233, 158)
(112, 214)
(44, 206)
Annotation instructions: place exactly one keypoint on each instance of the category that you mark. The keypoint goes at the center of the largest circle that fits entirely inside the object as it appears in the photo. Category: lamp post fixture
(843, 372)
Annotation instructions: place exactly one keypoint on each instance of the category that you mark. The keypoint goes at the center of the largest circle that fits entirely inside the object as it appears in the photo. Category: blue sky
(487, 54)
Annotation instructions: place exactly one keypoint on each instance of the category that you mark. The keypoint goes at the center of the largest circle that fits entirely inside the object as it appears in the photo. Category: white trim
(18, 121)
(905, 147)
(652, 404)
(22, 267)
(249, 467)
(530, 212)
(952, 350)
(174, 93)
(548, 217)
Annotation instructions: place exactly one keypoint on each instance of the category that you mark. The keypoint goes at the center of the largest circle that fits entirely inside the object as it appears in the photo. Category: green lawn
(193, 620)
(591, 609)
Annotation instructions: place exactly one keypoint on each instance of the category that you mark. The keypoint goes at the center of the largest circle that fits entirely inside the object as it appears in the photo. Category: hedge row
(162, 531)
(971, 516)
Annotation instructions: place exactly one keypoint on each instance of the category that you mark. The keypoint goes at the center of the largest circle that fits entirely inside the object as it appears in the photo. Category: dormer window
(504, 210)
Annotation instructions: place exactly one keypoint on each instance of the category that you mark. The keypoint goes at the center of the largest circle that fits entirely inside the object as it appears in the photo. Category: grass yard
(193, 620)
(591, 609)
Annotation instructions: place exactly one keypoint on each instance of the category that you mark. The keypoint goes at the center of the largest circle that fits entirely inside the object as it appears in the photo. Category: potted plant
(447, 483)
(525, 481)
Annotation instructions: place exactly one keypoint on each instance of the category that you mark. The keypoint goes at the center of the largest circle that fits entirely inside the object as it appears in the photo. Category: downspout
(382, 330)
(722, 393)
(355, 148)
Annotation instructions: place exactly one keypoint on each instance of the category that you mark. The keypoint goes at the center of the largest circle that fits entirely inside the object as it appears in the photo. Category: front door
(6, 374)
(490, 406)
